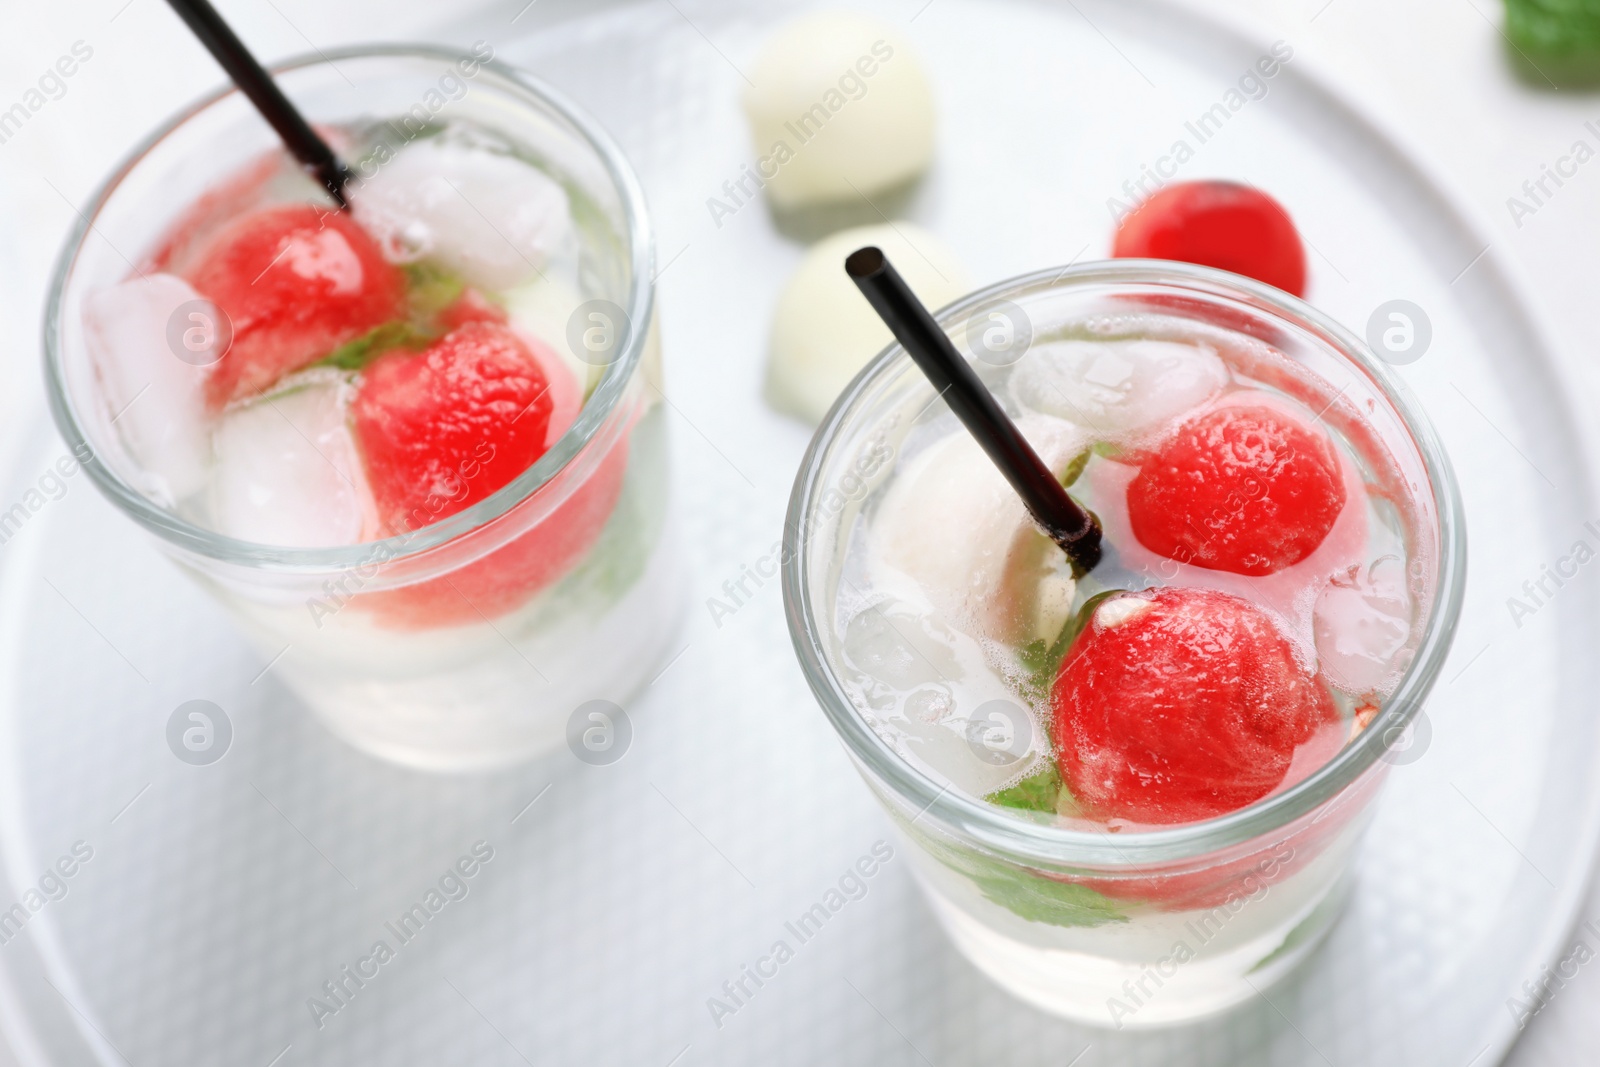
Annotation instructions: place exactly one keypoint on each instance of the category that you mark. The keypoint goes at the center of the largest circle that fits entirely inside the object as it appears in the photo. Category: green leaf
(429, 290)
(432, 289)
(354, 355)
(1037, 792)
(1021, 891)
(1034, 655)
(1075, 469)
(1044, 900)
(1042, 663)
(1554, 27)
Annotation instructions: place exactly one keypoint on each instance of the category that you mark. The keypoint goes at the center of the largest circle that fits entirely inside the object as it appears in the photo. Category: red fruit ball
(1217, 224)
(1246, 489)
(443, 428)
(295, 281)
(1180, 705)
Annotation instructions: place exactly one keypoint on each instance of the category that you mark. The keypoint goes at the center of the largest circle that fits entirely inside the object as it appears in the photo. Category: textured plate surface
(619, 898)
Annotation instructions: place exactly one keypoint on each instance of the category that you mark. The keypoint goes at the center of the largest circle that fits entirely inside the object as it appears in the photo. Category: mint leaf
(1044, 900)
(1043, 662)
(1026, 893)
(354, 355)
(1034, 655)
(431, 289)
(1037, 792)
(1554, 27)
(1075, 469)
(1075, 625)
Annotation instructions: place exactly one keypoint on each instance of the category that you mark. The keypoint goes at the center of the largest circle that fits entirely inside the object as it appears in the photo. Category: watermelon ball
(1217, 224)
(1249, 489)
(296, 281)
(1179, 705)
(441, 430)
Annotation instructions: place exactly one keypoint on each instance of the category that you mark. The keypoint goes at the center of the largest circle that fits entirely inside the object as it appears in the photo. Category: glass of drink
(417, 448)
(1133, 794)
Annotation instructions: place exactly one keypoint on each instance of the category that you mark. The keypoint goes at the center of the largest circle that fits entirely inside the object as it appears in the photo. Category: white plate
(220, 898)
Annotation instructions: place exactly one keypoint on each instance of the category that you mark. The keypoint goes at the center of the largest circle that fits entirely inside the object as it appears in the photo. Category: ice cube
(152, 396)
(493, 219)
(933, 692)
(978, 757)
(932, 705)
(892, 643)
(287, 471)
(1362, 623)
(1117, 389)
(953, 525)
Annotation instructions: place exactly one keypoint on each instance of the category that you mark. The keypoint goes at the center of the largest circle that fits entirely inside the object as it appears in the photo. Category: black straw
(1046, 499)
(253, 80)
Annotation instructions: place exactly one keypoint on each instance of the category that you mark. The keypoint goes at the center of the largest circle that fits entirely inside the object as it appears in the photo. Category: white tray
(219, 898)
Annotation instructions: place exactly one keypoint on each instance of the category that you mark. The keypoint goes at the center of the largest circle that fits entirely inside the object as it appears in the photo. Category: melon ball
(824, 331)
(839, 106)
(952, 524)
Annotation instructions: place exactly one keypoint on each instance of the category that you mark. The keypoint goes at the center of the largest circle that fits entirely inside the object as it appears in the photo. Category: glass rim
(598, 407)
(1031, 842)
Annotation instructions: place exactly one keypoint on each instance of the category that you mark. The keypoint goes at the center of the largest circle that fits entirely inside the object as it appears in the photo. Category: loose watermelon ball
(1179, 705)
(1244, 488)
(1217, 224)
(296, 281)
(441, 430)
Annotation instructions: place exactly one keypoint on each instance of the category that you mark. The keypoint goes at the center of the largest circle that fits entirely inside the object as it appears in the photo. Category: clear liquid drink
(1134, 794)
(416, 448)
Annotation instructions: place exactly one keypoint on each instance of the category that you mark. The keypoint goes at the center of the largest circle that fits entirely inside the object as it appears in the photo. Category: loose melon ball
(839, 107)
(824, 331)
